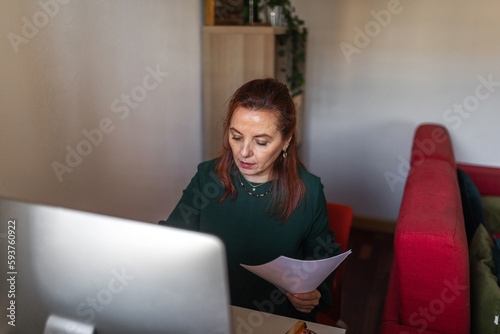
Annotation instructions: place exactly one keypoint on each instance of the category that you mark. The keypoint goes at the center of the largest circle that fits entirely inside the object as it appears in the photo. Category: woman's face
(255, 142)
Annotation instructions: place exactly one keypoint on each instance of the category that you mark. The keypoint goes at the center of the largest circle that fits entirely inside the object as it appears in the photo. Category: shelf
(261, 30)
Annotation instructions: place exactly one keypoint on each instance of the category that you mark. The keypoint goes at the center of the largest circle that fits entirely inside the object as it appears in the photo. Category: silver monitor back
(93, 273)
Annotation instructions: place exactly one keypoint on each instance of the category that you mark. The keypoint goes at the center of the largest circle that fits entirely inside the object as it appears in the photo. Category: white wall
(75, 66)
(360, 114)
(362, 107)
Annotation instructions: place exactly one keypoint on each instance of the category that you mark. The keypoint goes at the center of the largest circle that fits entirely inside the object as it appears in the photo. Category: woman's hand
(304, 302)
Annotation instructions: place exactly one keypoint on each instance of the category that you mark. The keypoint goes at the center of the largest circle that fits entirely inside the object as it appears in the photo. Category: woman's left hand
(304, 302)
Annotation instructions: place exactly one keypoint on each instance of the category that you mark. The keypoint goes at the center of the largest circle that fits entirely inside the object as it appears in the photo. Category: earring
(284, 154)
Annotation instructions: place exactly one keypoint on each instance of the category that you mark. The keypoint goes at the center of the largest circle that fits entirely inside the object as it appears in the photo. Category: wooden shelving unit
(233, 55)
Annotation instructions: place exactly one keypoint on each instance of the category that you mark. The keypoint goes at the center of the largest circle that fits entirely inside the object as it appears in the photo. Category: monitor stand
(56, 325)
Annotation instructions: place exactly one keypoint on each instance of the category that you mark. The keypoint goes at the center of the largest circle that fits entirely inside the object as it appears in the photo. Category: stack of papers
(297, 276)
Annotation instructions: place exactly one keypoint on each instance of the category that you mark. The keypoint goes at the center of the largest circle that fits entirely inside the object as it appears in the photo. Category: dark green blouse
(252, 236)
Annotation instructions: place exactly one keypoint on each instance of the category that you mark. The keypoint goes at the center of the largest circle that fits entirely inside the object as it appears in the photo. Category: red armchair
(429, 287)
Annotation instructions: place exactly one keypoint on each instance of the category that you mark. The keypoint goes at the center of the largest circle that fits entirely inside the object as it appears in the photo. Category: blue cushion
(471, 204)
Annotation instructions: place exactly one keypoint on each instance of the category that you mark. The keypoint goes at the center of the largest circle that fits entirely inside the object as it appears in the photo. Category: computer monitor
(67, 271)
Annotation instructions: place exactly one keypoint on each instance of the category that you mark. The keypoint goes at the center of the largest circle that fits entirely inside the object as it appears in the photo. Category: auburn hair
(267, 95)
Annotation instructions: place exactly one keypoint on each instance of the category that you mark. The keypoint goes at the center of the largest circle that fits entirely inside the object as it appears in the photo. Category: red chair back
(340, 220)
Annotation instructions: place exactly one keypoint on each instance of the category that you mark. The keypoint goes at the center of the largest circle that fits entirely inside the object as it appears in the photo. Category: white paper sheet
(297, 276)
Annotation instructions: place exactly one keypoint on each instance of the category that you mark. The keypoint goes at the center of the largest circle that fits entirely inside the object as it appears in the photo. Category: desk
(246, 321)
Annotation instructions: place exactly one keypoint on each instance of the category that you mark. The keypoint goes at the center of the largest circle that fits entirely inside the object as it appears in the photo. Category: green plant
(297, 35)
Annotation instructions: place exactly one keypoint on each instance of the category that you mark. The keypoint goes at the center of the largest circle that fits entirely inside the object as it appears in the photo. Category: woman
(260, 200)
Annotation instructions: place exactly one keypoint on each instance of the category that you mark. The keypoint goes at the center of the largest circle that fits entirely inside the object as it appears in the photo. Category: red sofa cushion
(429, 287)
(431, 252)
(431, 141)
